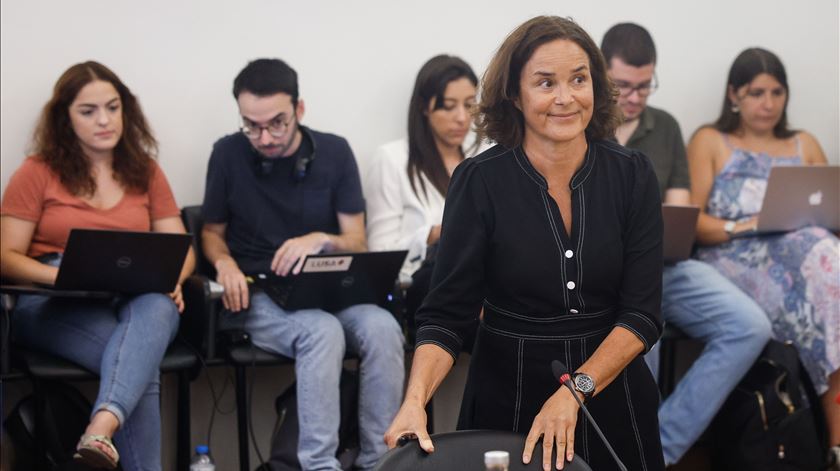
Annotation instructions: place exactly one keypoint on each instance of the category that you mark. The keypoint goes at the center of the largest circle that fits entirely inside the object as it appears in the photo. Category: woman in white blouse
(405, 186)
(406, 182)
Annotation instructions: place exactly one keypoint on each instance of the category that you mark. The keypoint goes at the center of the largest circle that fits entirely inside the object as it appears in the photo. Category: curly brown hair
(497, 116)
(57, 144)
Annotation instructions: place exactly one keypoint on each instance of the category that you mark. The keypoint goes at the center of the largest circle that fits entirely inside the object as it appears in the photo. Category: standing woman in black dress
(557, 233)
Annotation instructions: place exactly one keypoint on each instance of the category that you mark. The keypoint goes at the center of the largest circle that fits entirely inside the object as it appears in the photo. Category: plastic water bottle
(201, 461)
(496, 460)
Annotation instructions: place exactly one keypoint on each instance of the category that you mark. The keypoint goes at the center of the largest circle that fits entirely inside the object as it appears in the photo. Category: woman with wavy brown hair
(94, 167)
(557, 233)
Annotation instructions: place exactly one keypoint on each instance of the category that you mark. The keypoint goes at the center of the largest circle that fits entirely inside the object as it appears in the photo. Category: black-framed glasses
(276, 127)
(626, 89)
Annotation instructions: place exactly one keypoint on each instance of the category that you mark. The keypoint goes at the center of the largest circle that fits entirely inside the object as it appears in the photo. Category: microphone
(561, 373)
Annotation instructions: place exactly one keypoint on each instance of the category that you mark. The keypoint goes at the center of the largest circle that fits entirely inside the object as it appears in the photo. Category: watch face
(584, 383)
(729, 227)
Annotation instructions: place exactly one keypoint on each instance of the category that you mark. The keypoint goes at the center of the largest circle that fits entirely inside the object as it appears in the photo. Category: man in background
(695, 297)
(276, 192)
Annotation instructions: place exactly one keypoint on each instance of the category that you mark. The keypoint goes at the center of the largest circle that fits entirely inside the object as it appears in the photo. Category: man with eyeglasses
(277, 191)
(695, 297)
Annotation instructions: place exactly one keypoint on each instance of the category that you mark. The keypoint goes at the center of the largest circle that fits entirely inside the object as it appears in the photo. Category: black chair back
(194, 222)
(464, 451)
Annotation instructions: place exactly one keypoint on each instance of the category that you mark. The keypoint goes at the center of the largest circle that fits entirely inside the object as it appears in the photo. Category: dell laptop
(801, 196)
(335, 281)
(122, 261)
(680, 223)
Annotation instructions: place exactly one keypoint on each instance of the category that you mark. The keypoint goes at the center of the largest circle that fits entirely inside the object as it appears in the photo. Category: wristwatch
(585, 385)
(729, 228)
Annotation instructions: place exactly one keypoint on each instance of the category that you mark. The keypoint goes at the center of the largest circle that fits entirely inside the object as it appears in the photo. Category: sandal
(90, 454)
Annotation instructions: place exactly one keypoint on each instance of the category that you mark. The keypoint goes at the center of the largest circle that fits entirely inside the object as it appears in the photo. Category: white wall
(357, 60)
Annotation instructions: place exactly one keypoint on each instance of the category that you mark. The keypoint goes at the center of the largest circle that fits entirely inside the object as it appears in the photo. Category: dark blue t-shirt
(263, 206)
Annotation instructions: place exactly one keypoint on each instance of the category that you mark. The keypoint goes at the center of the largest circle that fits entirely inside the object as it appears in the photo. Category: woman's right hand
(556, 424)
(410, 420)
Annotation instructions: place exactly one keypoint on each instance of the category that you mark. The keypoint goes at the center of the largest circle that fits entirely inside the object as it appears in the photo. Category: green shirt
(658, 136)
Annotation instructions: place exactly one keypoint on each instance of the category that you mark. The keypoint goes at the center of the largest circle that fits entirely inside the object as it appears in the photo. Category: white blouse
(397, 219)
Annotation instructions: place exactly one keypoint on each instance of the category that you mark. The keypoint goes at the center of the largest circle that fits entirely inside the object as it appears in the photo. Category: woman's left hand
(556, 424)
(178, 297)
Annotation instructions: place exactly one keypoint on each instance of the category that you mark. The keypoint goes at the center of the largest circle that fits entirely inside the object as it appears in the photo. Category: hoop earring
(735, 109)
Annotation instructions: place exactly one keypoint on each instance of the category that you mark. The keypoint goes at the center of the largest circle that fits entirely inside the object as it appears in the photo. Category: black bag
(773, 419)
(284, 441)
(59, 423)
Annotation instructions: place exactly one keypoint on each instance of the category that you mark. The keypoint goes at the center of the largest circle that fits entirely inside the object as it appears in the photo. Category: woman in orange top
(94, 168)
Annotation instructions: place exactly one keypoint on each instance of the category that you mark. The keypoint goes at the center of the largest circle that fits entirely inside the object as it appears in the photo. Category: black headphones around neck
(265, 165)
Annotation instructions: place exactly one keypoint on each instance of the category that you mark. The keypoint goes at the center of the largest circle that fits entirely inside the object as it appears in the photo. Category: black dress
(549, 295)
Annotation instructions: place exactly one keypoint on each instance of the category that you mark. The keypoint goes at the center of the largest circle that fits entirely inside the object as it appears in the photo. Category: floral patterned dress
(794, 277)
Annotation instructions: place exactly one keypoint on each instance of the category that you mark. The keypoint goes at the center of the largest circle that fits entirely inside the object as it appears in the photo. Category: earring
(735, 109)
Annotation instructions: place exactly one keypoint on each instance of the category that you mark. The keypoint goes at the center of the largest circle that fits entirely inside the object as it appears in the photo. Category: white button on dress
(570, 285)
(569, 254)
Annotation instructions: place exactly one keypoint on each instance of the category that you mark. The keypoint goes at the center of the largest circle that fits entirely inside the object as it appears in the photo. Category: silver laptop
(801, 196)
(680, 223)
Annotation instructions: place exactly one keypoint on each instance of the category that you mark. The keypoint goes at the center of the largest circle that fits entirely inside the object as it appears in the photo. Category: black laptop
(122, 261)
(335, 281)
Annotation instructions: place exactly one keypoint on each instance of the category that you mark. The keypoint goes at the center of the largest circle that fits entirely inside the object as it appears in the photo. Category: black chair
(42, 369)
(464, 451)
(667, 358)
(237, 349)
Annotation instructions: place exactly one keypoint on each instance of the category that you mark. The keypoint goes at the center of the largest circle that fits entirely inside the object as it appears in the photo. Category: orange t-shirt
(35, 193)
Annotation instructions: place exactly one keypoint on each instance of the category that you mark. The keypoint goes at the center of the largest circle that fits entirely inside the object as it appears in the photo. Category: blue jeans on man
(698, 300)
(317, 340)
(123, 340)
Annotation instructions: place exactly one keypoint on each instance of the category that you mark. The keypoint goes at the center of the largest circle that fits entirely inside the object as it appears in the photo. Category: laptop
(680, 224)
(801, 196)
(121, 261)
(335, 281)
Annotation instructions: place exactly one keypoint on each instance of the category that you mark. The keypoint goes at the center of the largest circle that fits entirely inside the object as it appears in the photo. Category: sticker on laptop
(327, 264)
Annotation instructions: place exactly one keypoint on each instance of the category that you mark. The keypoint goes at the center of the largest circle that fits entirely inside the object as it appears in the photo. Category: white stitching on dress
(448, 350)
(519, 375)
(488, 158)
(516, 154)
(555, 233)
(633, 421)
(560, 318)
(444, 330)
(631, 329)
(581, 231)
(585, 422)
(591, 165)
(643, 317)
(506, 333)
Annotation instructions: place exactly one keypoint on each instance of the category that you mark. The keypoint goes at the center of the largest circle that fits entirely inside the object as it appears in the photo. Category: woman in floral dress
(794, 276)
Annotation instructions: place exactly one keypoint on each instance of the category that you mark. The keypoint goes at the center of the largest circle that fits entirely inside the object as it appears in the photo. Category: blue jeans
(317, 340)
(122, 340)
(707, 307)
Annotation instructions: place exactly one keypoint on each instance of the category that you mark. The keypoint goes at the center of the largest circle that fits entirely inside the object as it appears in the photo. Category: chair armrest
(198, 322)
(7, 300)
